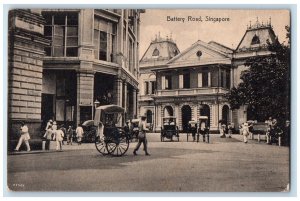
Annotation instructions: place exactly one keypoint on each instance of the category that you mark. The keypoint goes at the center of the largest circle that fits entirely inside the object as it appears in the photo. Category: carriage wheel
(117, 147)
(101, 145)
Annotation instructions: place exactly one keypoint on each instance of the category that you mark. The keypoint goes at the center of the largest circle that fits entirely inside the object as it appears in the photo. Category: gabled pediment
(200, 51)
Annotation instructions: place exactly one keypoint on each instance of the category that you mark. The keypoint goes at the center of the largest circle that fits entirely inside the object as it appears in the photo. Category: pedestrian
(245, 132)
(142, 136)
(230, 128)
(54, 128)
(48, 137)
(24, 137)
(202, 129)
(79, 134)
(269, 123)
(62, 127)
(223, 130)
(59, 136)
(70, 135)
(286, 133)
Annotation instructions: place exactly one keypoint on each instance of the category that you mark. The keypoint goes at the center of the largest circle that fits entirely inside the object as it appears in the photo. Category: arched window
(155, 53)
(255, 40)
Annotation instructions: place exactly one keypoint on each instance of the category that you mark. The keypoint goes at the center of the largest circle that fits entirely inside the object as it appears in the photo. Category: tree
(266, 84)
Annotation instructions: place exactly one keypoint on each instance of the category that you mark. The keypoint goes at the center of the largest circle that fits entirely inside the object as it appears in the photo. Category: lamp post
(96, 104)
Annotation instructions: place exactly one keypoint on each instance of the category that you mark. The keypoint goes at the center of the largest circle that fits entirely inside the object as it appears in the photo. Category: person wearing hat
(142, 136)
(24, 137)
(245, 131)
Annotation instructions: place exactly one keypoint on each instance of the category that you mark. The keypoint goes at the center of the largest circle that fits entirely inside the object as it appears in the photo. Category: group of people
(224, 129)
(53, 132)
(273, 131)
(57, 133)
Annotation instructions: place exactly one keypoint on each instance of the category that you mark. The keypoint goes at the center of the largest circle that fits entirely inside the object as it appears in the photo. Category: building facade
(193, 83)
(87, 58)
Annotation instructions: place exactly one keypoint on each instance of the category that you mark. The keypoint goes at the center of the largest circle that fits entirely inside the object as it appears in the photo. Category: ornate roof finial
(171, 36)
(270, 20)
(159, 35)
(250, 25)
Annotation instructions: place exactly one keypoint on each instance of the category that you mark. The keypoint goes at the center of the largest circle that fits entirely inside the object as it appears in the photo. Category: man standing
(24, 137)
(79, 134)
(142, 136)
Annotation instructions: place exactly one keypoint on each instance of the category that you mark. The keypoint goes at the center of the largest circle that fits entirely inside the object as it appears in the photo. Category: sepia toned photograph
(149, 100)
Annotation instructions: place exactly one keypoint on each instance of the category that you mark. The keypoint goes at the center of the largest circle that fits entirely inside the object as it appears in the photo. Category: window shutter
(163, 82)
(180, 81)
(199, 79)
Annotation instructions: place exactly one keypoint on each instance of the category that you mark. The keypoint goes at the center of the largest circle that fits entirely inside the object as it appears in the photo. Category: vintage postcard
(149, 100)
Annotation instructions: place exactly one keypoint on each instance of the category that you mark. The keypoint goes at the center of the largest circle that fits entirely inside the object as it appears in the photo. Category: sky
(228, 33)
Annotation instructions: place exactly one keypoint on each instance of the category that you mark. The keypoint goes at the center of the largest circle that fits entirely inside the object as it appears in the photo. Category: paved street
(224, 165)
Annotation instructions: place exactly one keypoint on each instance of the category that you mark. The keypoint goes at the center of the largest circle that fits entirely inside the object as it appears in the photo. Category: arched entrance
(225, 114)
(186, 113)
(205, 111)
(168, 111)
(149, 116)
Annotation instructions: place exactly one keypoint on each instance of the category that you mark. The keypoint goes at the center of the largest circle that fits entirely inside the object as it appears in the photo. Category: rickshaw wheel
(101, 145)
(119, 146)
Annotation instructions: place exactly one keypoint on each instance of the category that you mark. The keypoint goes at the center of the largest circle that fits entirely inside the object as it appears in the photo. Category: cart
(169, 129)
(203, 129)
(110, 138)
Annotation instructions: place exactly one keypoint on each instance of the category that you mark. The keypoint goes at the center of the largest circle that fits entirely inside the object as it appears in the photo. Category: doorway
(186, 113)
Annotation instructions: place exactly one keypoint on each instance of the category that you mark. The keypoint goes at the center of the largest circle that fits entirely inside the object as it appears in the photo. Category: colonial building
(193, 83)
(71, 61)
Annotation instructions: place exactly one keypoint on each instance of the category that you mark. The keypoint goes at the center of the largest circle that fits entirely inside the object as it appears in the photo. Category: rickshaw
(203, 129)
(169, 129)
(111, 138)
(192, 129)
(135, 128)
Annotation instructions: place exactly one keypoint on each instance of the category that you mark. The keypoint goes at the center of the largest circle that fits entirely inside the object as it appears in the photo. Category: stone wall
(26, 51)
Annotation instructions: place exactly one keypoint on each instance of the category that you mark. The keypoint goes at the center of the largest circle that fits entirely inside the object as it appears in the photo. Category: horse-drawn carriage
(110, 138)
(169, 129)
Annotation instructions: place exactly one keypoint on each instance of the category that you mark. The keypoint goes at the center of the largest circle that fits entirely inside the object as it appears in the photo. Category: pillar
(26, 44)
(125, 96)
(118, 87)
(85, 96)
(134, 96)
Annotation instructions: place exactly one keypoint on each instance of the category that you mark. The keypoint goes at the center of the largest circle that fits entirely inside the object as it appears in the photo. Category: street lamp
(96, 104)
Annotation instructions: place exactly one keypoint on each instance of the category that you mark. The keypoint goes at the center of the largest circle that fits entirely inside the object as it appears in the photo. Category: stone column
(134, 96)
(85, 93)
(125, 96)
(25, 66)
(177, 114)
(118, 87)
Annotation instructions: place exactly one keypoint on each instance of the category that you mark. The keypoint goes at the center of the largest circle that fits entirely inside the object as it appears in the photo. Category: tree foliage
(266, 84)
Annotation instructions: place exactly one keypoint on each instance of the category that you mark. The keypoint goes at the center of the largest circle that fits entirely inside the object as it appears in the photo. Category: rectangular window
(168, 81)
(62, 30)
(104, 39)
(228, 79)
(153, 87)
(103, 46)
(146, 88)
(186, 80)
(205, 79)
